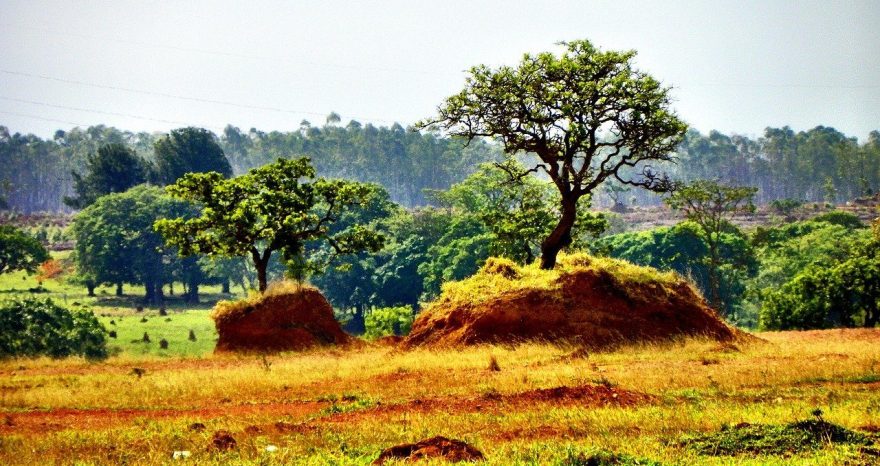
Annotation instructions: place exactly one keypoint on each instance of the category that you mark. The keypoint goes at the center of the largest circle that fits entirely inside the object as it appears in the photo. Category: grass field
(343, 406)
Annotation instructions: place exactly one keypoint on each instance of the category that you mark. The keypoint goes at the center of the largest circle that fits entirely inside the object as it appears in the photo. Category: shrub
(839, 217)
(385, 321)
(35, 327)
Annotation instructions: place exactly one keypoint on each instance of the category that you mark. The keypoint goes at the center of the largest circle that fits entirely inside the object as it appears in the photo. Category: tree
(681, 248)
(587, 115)
(115, 241)
(20, 251)
(114, 169)
(516, 214)
(786, 207)
(277, 207)
(32, 327)
(189, 150)
(709, 205)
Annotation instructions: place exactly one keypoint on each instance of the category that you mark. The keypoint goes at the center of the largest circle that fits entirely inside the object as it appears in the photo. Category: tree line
(40, 173)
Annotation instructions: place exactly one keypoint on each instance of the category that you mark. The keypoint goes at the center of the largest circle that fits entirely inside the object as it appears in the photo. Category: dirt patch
(584, 396)
(298, 320)
(593, 395)
(433, 448)
(761, 439)
(45, 422)
(223, 441)
(588, 306)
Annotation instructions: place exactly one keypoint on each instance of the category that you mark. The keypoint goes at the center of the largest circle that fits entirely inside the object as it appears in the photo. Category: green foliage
(114, 169)
(385, 321)
(844, 295)
(189, 150)
(364, 153)
(20, 251)
(33, 327)
(682, 248)
(585, 114)
(757, 439)
(278, 207)
(839, 217)
(115, 241)
(786, 207)
(785, 251)
(709, 204)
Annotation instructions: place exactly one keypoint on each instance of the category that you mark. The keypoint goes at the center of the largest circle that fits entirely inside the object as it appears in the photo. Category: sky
(733, 66)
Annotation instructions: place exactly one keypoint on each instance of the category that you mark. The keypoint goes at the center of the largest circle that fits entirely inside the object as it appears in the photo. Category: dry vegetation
(345, 406)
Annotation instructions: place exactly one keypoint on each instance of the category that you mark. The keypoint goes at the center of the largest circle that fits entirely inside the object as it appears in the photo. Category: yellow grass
(700, 386)
(226, 309)
(502, 276)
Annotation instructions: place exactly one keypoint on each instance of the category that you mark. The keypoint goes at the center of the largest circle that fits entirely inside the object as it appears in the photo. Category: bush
(385, 321)
(839, 217)
(844, 295)
(35, 327)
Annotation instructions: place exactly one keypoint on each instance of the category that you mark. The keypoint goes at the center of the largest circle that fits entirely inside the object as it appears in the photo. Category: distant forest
(821, 164)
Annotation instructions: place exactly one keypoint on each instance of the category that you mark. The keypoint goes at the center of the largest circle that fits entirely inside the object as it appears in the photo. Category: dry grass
(229, 309)
(343, 407)
(502, 276)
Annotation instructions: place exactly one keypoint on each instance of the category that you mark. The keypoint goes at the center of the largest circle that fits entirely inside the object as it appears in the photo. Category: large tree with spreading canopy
(277, 207)
(587, 115)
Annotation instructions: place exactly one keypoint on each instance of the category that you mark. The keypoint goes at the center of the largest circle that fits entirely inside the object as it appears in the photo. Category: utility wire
(102, 112)
(36, 117)
(177, 96)
(106, 39)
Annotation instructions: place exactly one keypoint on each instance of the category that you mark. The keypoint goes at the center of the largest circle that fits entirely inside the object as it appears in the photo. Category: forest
(817, 165)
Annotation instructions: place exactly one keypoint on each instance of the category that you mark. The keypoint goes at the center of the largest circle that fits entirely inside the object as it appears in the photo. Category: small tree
(20, 251)
(277, 207)
(709, 205)
(786, 207)
(587, 115)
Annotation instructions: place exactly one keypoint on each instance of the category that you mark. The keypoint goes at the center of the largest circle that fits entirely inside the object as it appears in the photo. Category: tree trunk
(119, 289)
(261, 263)
(192, 294)
(91, 288)
(225, 286)
(560, 237)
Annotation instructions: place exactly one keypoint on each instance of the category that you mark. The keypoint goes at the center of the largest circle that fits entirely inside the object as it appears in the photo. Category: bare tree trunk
(560, 237)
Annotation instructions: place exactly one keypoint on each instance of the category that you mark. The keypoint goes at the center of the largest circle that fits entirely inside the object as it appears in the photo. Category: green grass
(182, 317)
(174, 328)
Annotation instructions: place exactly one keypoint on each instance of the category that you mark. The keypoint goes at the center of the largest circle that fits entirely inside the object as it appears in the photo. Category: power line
(106, 39)
(102, 112)
(26, 115)
(177, 96)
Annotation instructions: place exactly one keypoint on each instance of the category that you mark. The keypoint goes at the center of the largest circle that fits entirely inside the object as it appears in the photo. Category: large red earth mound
(598, 303)
(282, 321)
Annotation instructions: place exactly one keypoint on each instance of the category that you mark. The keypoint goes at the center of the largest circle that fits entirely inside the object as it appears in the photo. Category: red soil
(286, 322)
(590, 309)
(37, 422)
(449, 450)
(584, 396)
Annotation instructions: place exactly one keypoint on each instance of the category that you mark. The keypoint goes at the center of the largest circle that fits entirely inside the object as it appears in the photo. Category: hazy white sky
(736, 66)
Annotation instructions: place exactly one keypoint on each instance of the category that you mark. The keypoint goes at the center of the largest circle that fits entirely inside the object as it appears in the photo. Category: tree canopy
(20, 251)
(115, 241)
(709, 204)
(587, 115)
(278, 207)
(189, 150)
(113, 169)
